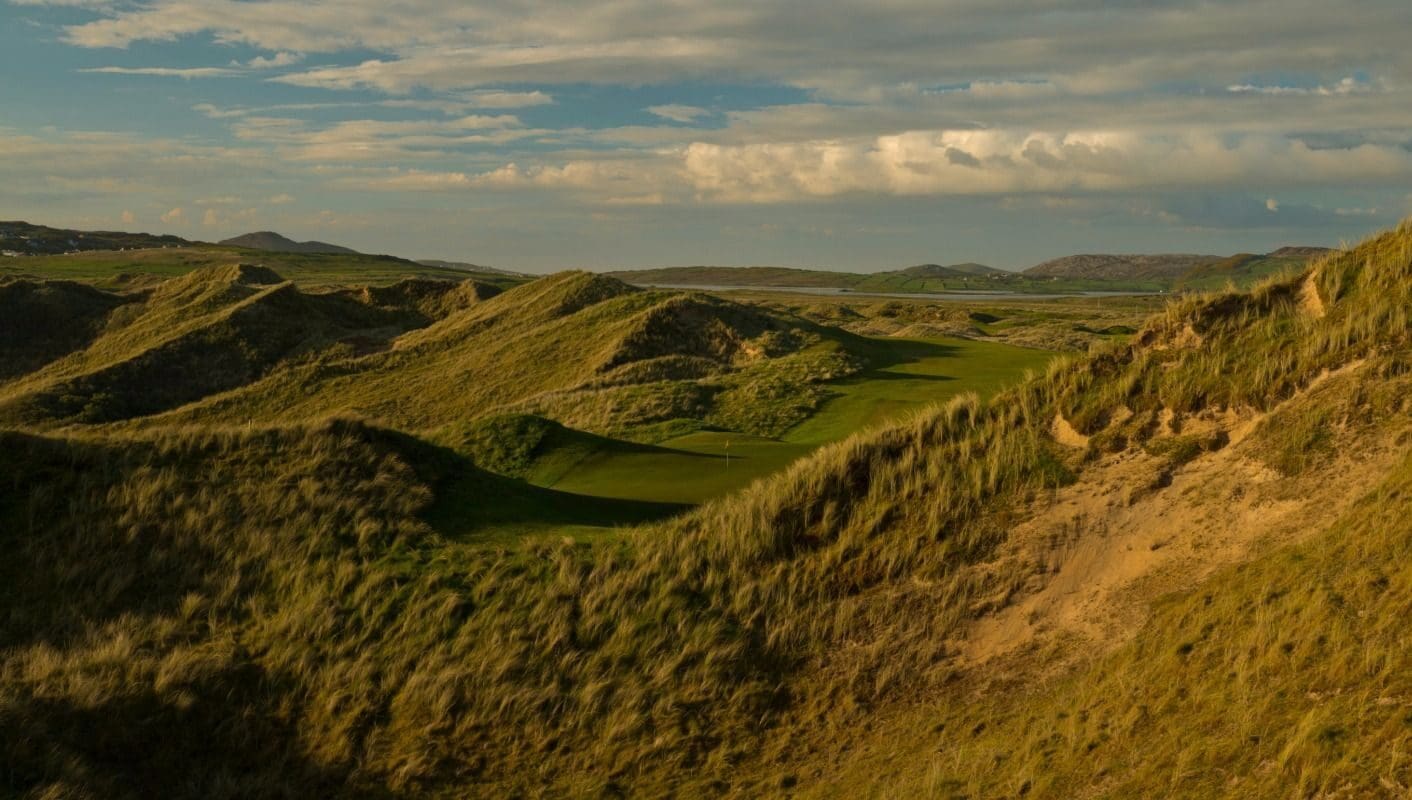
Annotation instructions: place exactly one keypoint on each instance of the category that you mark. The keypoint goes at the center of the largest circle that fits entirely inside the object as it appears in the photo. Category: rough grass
(586, 351)
(195, 335)
(157, 580)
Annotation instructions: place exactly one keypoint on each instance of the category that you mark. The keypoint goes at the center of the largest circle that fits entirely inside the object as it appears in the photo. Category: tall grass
(276, 592)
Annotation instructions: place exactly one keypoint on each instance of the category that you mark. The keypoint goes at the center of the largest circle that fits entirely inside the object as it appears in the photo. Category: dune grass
(222, 613)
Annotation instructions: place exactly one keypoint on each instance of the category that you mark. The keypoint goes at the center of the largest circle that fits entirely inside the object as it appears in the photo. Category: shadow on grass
(222, 738)
(471, 501)
(874, 376)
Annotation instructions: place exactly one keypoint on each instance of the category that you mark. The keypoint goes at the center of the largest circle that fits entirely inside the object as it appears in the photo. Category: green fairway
(909, 375)
(914, 373)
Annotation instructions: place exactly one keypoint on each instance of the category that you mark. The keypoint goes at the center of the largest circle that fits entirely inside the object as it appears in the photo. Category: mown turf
(687, 469)
(908, 375)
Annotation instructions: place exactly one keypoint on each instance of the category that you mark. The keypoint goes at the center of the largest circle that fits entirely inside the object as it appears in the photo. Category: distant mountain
(1119, 267)
(738, 276)
(269, 240)
(26, 239)
(969, 269)
(466, 267)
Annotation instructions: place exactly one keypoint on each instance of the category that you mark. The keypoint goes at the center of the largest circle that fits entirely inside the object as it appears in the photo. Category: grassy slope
(713, 654)
(1283, 677)
(905, 376)
(45, 320)
(203, 332)
(1242, 269)
(637, 358)
(219, 328)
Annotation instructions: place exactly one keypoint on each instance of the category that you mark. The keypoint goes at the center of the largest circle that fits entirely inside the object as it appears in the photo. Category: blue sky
(860, 135)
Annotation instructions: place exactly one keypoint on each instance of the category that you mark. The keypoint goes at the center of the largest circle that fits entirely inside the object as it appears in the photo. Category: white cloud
(935, 163)
(1002, 162)
(492, 98)
(215, 112)
(678, 113)
(128, 217)
(168, 72)
(280, 59)
(281, 199)
(174, 217)
(1346, 86)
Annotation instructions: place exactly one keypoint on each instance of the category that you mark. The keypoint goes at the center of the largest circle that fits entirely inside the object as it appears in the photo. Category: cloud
(1003, 162)
(493, 98)
(174, 217)
(281, 199)
(373, 140)
(678, 113)
(280, 59)
(215, 112)
(857, 50)
(938, 163)
(128, 217)
(1067, 108)
(236, 68)
(168, 72)
(1346, 86)
(461, 103)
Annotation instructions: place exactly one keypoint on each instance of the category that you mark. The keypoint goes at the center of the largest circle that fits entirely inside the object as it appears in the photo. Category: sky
(834, 134)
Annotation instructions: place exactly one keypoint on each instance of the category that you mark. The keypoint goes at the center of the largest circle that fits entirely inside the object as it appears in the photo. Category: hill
(1177, 565)
(461, 265)
(1300, 252)
(136, 269)
(1243, 269)
(926, 278)
(1071, 274)
(643, 359)
(269, 240)
(736, 276)
(22, 238)
(1118, 267)
(952, 271)
(204, 332)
